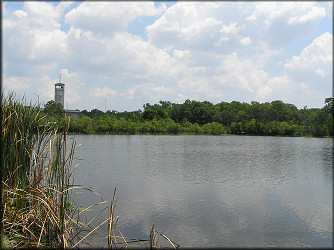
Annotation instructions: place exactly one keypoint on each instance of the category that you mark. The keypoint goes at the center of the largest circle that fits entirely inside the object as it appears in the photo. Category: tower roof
(60, 84)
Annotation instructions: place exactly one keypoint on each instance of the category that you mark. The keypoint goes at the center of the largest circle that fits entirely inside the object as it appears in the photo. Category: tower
(59, 92)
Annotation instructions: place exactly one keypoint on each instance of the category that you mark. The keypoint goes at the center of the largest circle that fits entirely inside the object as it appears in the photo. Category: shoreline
(285, 136)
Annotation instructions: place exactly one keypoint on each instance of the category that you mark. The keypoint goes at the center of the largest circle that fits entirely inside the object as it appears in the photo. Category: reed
(155, 241)
(36, 178)
(36, 185)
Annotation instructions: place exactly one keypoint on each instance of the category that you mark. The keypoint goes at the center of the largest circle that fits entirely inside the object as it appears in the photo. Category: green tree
(285, 129)
(53, 109)
(202, 112)
(236, 127)
(213, 128)
(251, 127)
(277, 111)
(155, 111)
(95, 113)
(319, 130)
(172, 127)
(85, 125)
(224, 114)
(102, 125)
(328, 110)
(272, 128)
(196, 128)
(291, 113)
(186, 111)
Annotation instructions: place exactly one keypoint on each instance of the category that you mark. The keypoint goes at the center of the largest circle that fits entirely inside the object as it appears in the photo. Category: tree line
(204, 118)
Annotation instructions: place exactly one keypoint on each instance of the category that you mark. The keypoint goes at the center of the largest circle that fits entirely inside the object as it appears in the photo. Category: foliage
(196, 118)
(53, 109)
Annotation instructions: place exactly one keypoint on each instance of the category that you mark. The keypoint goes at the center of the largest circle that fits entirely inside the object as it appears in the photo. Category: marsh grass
(37, 184)
(36, 178)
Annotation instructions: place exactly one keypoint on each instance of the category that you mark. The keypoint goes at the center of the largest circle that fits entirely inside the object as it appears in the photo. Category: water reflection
(215, 191)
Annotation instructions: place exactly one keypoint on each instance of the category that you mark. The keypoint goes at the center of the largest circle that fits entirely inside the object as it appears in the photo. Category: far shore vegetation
(274, 118)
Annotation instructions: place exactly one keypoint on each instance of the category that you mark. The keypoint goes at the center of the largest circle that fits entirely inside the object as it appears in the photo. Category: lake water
(212, 191)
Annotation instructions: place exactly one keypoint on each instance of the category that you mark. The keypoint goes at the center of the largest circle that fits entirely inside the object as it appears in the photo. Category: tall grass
(36, 185)
(35, 178)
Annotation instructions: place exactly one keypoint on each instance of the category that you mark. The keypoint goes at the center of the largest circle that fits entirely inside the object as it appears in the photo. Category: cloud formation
(107, 18)
(215, 51)
(309, 75)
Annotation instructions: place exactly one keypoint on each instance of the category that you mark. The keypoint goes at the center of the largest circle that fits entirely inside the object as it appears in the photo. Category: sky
(121, 55)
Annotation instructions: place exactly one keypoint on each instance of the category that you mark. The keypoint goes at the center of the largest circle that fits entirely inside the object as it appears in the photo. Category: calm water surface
(212, 191)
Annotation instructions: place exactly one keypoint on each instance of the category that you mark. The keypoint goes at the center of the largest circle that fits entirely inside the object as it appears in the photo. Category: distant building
(59, 93)
(60, 97)
(75, 113)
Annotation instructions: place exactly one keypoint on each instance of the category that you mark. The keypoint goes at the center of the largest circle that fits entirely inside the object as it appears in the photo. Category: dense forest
(204, 118)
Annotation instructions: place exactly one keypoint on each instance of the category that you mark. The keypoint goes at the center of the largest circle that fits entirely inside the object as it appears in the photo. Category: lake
(211, 191)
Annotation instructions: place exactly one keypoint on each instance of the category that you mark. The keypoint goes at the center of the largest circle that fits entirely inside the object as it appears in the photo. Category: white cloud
(329, 9)
(103, 92)
(311, 13)
(74, 84)
(194, 84)
(16, 83)
(294, 12)
(321, 72)
(263, 57)
(225, 26)
(199, 88)
(42, 15)
(319, 52)
(290, 91)
(195, 50)
(181, 98)
(314, 64)
(124, 55)
(307, 78)
(148, 91)
(46, 89)
(187, 25)
(33, 36)
(181, 54)
(36, 89)
(245, 40)
(280, 23)
(20, 13)
(241, 73)
(108, 18)
(232, 28)
(283, 87)
(215, 77)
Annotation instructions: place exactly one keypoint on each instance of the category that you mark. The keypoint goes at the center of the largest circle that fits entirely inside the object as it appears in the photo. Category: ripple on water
(219, 191)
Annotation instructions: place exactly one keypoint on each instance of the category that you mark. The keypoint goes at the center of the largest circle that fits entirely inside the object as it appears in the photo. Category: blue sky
(121, 55)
